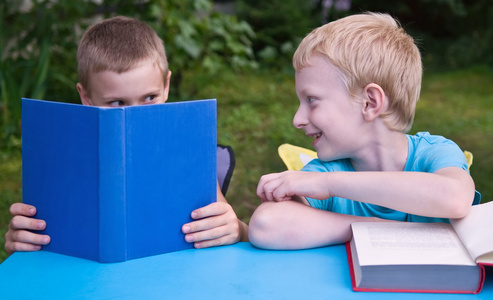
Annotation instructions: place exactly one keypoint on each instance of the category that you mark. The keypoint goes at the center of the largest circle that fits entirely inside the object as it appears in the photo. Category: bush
(38, 59)
(280, 25)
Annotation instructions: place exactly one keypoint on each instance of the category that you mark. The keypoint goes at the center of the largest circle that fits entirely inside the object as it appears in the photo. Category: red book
(422, 257)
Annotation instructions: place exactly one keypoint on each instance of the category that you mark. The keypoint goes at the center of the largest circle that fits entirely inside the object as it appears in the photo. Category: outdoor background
(240, 53)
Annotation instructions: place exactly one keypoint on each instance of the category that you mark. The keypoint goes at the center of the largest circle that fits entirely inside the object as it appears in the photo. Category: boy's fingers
(21, 222)
(213, 209)
(207, 235)
(269, 189)
(12, 247)
(261, 187)
(15, 247)
(204, 224)
(24, 236)
(224, 240)
(23, 240)
(22, 209)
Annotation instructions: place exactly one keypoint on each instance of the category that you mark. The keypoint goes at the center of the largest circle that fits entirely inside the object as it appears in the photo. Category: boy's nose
(299, 119)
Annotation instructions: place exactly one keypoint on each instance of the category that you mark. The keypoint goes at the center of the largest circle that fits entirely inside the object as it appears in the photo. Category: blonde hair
(118, 44)
(370, 48)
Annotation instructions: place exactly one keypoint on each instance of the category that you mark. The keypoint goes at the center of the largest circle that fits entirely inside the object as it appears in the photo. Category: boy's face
(143, 84)
(327, 112)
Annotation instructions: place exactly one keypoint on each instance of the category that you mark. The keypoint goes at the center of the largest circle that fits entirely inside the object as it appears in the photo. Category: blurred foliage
(280, 25)
(450, 33)
(33, 59)
(38, 59)
(200, 39)
(10, 192)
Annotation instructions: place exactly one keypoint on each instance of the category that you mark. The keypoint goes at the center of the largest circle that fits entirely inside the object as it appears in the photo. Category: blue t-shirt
(427, 153)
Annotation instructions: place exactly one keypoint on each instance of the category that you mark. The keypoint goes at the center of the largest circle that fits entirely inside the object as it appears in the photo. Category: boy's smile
(143, 84)
(327, 112)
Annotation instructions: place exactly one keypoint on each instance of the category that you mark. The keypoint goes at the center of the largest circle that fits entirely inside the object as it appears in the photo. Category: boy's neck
(386, 152)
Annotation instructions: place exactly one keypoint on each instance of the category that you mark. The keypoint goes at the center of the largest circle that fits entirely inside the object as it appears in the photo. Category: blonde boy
(358, 80)
(122, 62)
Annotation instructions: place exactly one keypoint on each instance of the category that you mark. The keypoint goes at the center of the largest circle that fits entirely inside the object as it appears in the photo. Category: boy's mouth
(315, 137)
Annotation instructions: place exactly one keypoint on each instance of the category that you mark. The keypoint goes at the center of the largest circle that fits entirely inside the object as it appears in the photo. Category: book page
(476, 231)
(404, 243)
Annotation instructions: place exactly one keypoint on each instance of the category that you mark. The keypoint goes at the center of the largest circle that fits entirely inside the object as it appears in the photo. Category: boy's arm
(216, 225)
(19, 236)
(447, 193)
(290, 225)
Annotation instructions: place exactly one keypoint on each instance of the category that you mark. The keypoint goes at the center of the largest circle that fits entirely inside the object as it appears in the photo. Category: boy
(122, 61)
(358, 80)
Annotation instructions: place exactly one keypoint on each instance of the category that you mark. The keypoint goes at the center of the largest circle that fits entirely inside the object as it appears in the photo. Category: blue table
(231, 272)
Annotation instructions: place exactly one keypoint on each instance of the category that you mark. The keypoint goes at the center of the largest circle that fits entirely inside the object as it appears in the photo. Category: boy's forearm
(448, 193)
(243, 231)
(292, 225)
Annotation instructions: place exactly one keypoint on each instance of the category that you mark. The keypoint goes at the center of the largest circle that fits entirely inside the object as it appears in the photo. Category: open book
(115, 184)
(422, 257)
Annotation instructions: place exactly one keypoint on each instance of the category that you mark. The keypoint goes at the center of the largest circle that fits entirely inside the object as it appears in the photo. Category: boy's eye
(149, 98)
(310, 99)
(116, 103)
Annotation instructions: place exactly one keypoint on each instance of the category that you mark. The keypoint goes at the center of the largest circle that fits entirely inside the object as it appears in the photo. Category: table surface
(238, 271)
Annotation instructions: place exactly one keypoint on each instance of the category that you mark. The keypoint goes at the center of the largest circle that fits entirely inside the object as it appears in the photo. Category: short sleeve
(430, 153)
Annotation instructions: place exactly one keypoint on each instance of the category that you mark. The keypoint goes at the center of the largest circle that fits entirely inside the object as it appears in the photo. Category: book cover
(422, 257)
(115, 184)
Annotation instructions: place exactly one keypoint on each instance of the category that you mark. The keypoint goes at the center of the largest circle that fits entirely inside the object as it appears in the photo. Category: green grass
(459, 106)
(10, 192)
(255, 113)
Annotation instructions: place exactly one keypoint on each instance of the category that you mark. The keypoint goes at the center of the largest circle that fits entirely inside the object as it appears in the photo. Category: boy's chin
(323, 157)
(326, 156)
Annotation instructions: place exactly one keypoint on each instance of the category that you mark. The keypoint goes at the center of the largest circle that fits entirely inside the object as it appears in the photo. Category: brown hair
(118, 44)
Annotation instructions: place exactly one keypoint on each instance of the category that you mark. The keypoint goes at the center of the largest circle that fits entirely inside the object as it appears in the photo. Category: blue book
(115, 184)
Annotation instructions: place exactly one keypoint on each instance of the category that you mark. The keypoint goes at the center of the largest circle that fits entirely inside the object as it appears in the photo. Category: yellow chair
(468, 159)
(295, 157)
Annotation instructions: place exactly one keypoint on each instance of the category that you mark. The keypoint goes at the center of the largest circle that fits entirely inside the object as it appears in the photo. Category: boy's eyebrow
(107, 98)
(152, 92)
(111, 97)
(303, 91)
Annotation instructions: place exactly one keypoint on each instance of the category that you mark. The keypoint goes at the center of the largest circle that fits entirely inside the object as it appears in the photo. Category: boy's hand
(216, 225)
(18, 237)
(288, 185)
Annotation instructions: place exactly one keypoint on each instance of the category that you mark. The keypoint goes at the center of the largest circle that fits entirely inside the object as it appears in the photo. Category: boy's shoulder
(424, 141)
(430, 153)
(317, 165)
(426, 137)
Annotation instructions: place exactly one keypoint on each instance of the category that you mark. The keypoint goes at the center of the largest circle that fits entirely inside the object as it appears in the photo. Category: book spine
(112, 204)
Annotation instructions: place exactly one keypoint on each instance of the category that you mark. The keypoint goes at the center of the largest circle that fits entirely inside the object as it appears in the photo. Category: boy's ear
(167, 81)
(375, 102)
(84, 97)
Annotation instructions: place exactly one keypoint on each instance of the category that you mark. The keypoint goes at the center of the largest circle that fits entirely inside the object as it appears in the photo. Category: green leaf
(191, 47)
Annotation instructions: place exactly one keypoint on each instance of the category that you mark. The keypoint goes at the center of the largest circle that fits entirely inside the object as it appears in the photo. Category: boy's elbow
(460, 210)
(457, 195)
(262, 226)
(462, 202)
